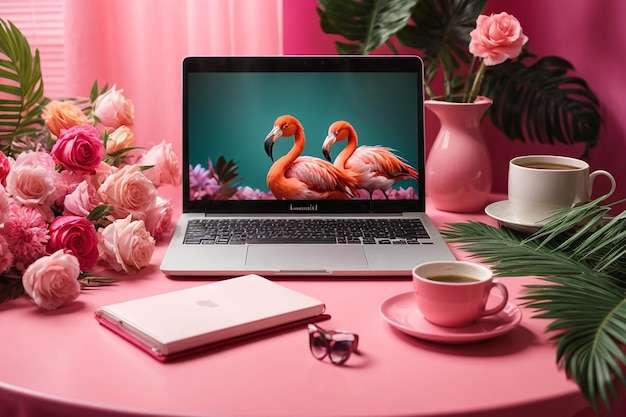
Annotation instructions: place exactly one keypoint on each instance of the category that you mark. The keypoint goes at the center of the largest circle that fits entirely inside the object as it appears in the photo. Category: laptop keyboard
(324, 231)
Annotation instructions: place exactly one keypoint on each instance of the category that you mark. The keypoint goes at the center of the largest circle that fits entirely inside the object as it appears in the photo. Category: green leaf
(100, 212)
(367, 23)
(21, 80)
(580, 257)
(553, 105)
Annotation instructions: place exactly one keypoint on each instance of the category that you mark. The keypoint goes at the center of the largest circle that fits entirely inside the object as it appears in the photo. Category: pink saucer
(401, 312)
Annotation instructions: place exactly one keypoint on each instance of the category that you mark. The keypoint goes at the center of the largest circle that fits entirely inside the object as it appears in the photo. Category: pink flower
(52, 281)
(32, 179)
(26, 232)
(103, 171)
(82, 200)
(4, 205)
(165, 168)
(114, 110)
(126, 245)
(6, 256)
(79, 149)
(129, 191)
(497, 38)
(75, 235)
(159, 219)
(5, 167)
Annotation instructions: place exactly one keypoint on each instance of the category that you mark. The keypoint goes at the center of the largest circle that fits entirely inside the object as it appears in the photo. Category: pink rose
(79, 149)
(76, 235)
(82, 200)
(4, 205)
(5, 167)
(52, 281)
(126, 245)
(102, 173)
(159, 219)
(32, 179)
(497, 38)
(129, 191)
(165, 168)
(114, 110)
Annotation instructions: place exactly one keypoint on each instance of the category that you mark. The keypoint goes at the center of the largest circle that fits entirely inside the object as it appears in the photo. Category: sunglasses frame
(330, 339)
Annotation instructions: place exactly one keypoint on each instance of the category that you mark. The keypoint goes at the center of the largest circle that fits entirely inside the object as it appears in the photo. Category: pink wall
(590, 35)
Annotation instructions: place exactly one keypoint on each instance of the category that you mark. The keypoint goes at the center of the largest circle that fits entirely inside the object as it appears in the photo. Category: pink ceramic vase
(458, 167)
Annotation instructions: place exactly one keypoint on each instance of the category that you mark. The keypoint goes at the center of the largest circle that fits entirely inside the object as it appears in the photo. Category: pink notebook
(181, 323)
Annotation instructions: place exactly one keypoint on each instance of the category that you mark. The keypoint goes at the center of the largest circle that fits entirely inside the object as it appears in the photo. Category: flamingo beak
(271, 137)
(328, 142)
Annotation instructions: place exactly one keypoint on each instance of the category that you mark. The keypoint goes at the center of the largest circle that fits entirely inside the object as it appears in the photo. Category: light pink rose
(52, 281)
(159, 219)
(497, 38)
(82, 200)
(75, 235)
(4, 205)
(103, 171)
(79, 149)
(165, 168)
(66, 183)
(126, 245)
(129, 191)
(60, 115)
(32, 179)
(114, 110)
(119, 139)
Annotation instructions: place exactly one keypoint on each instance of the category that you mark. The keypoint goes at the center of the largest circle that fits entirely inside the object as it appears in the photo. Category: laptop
(259, 192)
(178, 323)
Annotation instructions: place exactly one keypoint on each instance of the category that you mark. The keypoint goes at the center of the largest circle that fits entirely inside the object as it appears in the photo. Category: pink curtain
(139, 46)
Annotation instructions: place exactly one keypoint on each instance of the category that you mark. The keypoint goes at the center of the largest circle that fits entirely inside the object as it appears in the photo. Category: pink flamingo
(375, 167)
(294, 177)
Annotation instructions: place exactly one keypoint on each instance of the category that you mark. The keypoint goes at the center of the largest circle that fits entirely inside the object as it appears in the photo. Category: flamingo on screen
(375, 167)
(295, 177)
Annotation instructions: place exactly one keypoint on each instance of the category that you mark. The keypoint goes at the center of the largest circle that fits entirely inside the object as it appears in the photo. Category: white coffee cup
(541, 184)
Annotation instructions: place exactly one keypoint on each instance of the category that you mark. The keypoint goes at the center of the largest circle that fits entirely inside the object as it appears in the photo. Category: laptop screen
(231, 104)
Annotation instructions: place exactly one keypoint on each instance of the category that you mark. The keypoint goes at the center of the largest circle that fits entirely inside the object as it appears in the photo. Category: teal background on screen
(230, 114)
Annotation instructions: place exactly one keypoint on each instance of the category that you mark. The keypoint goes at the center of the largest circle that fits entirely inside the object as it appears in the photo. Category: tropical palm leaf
(21, 86)
(441, 31)
(552, 105)
(579, 256)
(369, 23)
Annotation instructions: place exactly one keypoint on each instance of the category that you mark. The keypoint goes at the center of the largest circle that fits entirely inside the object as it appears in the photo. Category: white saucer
(401, 312)
(501, 211)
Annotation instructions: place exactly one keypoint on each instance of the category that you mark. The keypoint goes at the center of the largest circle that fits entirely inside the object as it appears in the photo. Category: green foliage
(580, 257)
(538, 101)
(21, 86)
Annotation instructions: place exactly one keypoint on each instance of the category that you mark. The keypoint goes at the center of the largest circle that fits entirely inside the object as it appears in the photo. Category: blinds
(41, 21)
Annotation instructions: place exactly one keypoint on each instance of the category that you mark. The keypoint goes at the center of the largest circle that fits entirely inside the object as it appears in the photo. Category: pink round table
(64, 364)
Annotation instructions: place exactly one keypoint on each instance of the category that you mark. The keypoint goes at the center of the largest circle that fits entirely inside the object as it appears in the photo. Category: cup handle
(593, 176)
(501, 304)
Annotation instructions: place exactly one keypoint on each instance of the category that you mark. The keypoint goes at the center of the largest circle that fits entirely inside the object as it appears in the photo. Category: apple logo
(206, 303)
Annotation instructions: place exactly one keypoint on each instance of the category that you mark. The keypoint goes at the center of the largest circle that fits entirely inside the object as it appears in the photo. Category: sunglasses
(336, 344)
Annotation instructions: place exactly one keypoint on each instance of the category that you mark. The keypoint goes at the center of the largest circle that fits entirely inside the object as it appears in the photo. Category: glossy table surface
(63, 363)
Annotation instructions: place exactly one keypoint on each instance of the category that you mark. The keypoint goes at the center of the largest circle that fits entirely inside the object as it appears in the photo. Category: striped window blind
(41, 21)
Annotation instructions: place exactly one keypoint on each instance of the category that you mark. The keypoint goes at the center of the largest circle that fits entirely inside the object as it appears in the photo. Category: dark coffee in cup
(547, 165)
(452, 278)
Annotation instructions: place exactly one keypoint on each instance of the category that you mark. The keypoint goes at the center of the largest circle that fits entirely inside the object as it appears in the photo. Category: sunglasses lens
(339, 351)
(318, 347)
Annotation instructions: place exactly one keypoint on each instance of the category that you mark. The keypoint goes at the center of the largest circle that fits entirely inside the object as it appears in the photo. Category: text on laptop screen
(263, 134)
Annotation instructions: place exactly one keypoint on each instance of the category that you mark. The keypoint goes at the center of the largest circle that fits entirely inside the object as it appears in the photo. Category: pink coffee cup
(455, 293)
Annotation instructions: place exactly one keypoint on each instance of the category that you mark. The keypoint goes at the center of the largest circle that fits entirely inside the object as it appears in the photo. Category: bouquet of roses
(78, 195)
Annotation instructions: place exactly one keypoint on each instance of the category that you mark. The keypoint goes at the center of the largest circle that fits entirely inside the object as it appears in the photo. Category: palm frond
(579, 256)
(552, 105)
(21, 84)
(367, 23)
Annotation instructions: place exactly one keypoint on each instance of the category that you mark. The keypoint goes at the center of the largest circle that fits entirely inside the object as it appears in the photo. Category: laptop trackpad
(306, 258)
